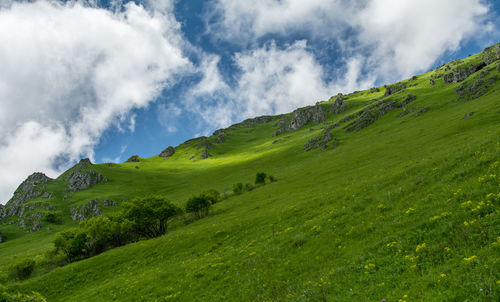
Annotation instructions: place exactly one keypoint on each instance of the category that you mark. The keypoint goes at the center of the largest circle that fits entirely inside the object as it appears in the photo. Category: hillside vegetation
(389, 193)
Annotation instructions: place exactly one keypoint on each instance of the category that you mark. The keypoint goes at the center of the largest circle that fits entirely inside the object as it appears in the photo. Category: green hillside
(389, 193)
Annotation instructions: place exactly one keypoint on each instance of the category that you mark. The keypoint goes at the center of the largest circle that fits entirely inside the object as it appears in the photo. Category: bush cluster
(23, 269)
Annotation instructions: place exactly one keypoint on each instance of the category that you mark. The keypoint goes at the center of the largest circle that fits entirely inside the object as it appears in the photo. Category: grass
(406, 208)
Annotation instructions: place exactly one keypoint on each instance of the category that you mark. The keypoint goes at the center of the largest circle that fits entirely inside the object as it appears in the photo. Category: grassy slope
(342, 224)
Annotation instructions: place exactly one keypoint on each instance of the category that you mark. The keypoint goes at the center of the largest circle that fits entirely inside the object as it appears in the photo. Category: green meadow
(404, 209)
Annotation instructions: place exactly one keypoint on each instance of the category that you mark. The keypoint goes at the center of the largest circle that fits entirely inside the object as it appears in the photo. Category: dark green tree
(199, 205)
(149, 215)
(260, 178)
(238, 188)
(71, 243)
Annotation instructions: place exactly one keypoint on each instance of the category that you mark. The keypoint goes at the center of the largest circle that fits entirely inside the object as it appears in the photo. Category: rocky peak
(169, 151)
(81, 177)
(301, 117)
(30, 188)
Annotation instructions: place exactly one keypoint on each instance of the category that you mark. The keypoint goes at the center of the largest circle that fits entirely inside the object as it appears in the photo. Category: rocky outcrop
(205, 154)
(301, 117)
(460, 73)
(322, 140)
(392, 89)
(491, 54)
(471, 90)
(86, 211)
(220, 139)
(82, 176)
(133, 159)
(374, 89)
(169, 151)
(109, 203)
(29, 189)
(338, 106)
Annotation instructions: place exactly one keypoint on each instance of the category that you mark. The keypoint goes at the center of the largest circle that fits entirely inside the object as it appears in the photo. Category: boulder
(169, 151)
(29, 189)
(471, 90)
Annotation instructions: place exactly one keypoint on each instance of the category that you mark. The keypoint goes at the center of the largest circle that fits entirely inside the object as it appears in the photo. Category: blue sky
(109, 79)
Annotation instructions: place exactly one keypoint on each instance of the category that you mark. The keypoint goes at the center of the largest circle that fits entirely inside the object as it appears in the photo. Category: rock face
(169, 151)
(133, 159)
(471, 90)
(491, 54)
(86, 211)
(110, 203)
(31, 188)
(392, 89)
(81, 177)
(338, 106)
(460, 73)
(301, 117)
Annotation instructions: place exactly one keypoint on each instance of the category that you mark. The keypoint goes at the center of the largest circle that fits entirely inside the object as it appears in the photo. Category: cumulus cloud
(396, 38)
(272, 80)
(69, 71)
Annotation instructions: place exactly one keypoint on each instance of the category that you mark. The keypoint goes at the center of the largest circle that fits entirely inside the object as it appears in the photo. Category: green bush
(23, 269)
(260, 178)
(238, 188)
(149, 215)
(213, 195)
(199, 205)
(53, 217)
(72, 243)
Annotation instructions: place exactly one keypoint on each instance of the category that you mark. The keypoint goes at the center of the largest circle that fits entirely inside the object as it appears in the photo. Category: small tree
(238, 188)
(98, 232)
(53, 217)
(71, 243)
(213, 196)
(149, 215)
(199, 205)
(260, 178)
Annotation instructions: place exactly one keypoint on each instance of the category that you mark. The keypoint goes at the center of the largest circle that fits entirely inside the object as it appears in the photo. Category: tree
(98, 231)
(260, 178)
(71, 243)
(149, 215)
(53, 217)
(213, 196)
(199, 205)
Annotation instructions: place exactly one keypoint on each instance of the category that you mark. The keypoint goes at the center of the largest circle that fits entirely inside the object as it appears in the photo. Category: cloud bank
(70, 71)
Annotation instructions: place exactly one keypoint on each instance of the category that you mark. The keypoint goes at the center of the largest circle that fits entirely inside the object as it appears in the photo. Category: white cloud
(395, 38)
(408, 36)
(69, 71)
(272, 81)
(167, 116)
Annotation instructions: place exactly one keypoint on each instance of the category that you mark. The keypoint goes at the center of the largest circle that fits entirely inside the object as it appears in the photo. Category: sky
(107, 79)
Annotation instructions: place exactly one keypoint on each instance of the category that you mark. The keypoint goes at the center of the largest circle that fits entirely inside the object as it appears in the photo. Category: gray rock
(338, 106)
(86, 211)
(491, 54)
(205, 154)
(421, 111)
(467, 115)
(47, 195)
(109, 203)
(410, 98)
(392, 89)
(471, 90)
(460, 73)
(431, 81)
(301, 117)
(82, 176)
(29, 189)
(220, 139)
(133, 159)
(169, 151)
(322, 140)
(374, 89)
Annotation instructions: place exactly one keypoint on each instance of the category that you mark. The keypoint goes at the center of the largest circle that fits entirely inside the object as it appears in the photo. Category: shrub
(238, 188)
(71, 243)
(149, 215)
(199, 205)
(260, 178)
(213, 196)
(98, 234)
(272, 178)
(53, 217)
(249, 187)
(23, 269)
